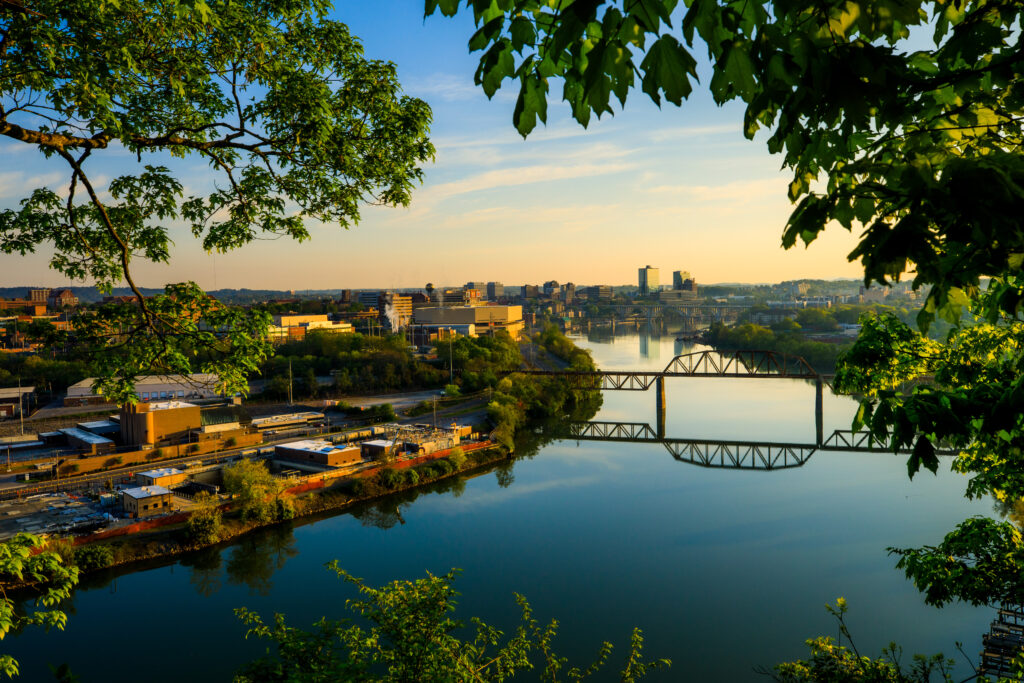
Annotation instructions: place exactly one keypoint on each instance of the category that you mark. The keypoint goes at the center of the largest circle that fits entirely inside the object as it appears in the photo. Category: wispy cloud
(447, 87)
(738, 191)
(522, 175)
(21, 184)
(667, 134)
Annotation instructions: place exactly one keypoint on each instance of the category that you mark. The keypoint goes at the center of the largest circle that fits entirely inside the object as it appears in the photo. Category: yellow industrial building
(483, 319)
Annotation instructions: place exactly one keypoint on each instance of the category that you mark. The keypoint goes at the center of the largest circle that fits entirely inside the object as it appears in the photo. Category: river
(724, 570)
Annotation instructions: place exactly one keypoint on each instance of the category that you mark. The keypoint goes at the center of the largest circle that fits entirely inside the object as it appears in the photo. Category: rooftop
(198, 378)
(312, 446)
(380, 443)
(170, 405)
(14, 392)
(87, 437)
(145, 492)
(161, 472)
(100, 425)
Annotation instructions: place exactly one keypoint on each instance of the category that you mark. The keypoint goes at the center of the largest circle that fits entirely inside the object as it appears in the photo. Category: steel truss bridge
(738, 364)
(737, 455)
(743, 364)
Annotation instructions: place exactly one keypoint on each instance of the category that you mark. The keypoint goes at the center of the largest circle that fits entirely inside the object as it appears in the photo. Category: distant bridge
(740, 455)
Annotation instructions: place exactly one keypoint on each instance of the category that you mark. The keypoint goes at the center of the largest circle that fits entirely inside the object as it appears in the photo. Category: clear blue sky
(677, 188)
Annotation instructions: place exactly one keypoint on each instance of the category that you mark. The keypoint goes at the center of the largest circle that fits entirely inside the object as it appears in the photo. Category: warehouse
(318, 452)
(146, 501)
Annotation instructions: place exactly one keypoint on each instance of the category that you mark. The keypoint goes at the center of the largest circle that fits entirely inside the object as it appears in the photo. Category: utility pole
(21, 410)
(289, 381)
(435, 427)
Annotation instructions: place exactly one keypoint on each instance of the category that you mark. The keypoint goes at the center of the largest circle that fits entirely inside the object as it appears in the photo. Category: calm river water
(724, 570)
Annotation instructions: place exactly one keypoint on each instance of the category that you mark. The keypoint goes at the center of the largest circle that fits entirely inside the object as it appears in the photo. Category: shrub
(357, 487)
(285, 509)
(205, 524)
(452, 390)
(444, 466)
(68, 468)
(457, 458)
(193, 448)
(230, 442)
(389, 478)
(91, 557)
(64, 548)
(412, 477)
(113, 462)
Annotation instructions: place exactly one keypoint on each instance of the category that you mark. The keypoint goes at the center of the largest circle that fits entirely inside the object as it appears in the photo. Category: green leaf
(667, 68)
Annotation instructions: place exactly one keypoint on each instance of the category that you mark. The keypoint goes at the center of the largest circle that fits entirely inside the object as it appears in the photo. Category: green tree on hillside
(280, 102)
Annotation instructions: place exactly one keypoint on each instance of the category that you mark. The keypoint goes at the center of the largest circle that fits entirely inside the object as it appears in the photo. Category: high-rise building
(479, 286)
(530, 291)
(495, 290)
(649, 280)
(551, 288)
(568, 292)
(599, 293)
(368, 298)
(682, 281)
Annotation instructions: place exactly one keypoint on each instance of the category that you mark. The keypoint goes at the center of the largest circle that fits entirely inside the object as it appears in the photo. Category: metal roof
(87, 437)
(161, 472)
(145, 492)
(14, 392)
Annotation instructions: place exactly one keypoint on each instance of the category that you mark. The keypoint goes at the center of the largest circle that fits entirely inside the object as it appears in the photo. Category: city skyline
(582, 205)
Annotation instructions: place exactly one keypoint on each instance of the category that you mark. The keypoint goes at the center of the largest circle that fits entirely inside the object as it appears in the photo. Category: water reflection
(650, 344)
(205, 566)
(255, 559)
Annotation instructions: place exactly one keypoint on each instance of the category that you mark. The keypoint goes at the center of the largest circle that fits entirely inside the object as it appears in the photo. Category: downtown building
(649, 280)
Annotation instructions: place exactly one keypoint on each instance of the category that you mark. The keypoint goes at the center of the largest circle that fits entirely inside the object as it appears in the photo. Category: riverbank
(172, 539)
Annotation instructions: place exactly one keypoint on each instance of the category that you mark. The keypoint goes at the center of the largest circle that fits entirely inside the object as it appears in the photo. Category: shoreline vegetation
(520, 405)
(234, 522)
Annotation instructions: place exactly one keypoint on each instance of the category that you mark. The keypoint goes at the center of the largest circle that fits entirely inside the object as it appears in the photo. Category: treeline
(47, 375)
(476, 364)
(360, 363)
(821, 355)
(832, 318)
(356, 363)
(521, 398)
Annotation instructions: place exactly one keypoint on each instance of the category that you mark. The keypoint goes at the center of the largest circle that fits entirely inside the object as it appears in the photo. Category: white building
(152, 388)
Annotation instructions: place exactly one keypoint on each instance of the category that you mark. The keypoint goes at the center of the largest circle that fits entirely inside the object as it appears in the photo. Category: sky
(675, 188)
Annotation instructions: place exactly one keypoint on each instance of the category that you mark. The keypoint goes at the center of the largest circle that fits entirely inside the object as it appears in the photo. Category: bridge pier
(818, 412)
(659, 393)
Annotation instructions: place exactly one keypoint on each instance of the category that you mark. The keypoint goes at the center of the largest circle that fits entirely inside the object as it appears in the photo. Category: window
(163, 394)
(181, 394)
(145, 395)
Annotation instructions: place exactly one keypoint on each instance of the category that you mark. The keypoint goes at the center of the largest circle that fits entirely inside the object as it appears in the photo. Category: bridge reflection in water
(738, 455)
